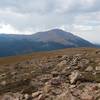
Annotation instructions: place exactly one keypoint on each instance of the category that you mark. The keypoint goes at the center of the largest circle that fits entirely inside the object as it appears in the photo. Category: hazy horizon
(81, 18)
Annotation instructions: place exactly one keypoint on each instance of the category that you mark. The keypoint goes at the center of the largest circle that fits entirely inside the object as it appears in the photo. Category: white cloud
(29, 16)
(8, 29)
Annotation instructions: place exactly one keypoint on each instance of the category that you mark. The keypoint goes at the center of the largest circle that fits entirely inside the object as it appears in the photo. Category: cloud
(29, 16)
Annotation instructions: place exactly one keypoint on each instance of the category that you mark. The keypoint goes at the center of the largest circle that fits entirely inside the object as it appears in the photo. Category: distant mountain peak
(42, 41)
(60, 36)
(56, 29)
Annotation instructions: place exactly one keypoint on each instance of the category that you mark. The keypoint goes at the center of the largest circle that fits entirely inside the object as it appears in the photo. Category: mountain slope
(62, 37)
(41, 41)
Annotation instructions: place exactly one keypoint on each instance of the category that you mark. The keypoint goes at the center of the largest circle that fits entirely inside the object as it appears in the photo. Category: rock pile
(64, 77)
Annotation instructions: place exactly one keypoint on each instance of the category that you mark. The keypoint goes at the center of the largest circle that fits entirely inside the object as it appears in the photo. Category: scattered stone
(55, 81)
(64, 57)
(7, 97)
(47, 87)
(97, 68)
(98, 85)
(36, 94)
(89, 69)
(45, 78)
(72, 86)
(56, 91)
(62, 63)
(26, 96)
(66, 96)
(74, 77)
(41, 97)
(97, 51)
(55, 73)
(83, 63)
(18, 96)
(74, 62)
(86, 96)
(3, 83)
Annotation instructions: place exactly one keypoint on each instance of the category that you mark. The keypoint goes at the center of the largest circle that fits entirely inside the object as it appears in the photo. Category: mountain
(41, 41)
(59, 36)
(97, 45)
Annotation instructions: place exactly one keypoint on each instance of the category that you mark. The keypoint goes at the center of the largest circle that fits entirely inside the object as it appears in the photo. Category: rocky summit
(72, 74)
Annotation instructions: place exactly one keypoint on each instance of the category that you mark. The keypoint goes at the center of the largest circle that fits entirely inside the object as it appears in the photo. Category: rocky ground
(74, 76)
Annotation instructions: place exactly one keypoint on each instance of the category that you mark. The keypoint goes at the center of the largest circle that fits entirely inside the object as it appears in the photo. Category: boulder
(97, 51)
(66, 96)
(62, 63)
(8, 97)
(97, 68)
(36, 94)
(90, 77)
(75, 75)
(74, 61)
(41, 97)
(56, 81)
(26, 96)
(12, 96)
(89, 69)
(86, 96)
(83, 63)
(47, 87)
(55, 73)
(64, 57)
(56, 91)
(3, 83)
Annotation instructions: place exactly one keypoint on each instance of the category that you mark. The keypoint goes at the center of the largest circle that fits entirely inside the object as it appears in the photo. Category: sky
(81, 17)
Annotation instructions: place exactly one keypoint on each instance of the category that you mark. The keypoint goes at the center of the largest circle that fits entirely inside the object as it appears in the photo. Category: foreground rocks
(64, 77)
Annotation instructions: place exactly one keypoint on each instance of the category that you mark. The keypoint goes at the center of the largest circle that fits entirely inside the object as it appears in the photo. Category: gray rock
(62, 63)
(26, 96)
(89, 69)
(7, 97)
(86, 96)
(55, 73)
(75, 75)
(56, 81)
(97, 68)
(36, 94)
(64, 57)
(41, 97)
(66, 96)
(97, 51)
(3, 83)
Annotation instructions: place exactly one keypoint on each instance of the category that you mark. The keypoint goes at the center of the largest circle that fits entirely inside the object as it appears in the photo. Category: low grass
(20, 58)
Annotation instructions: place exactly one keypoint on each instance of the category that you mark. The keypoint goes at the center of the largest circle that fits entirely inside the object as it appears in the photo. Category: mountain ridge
(42, 41)
(56, 35)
